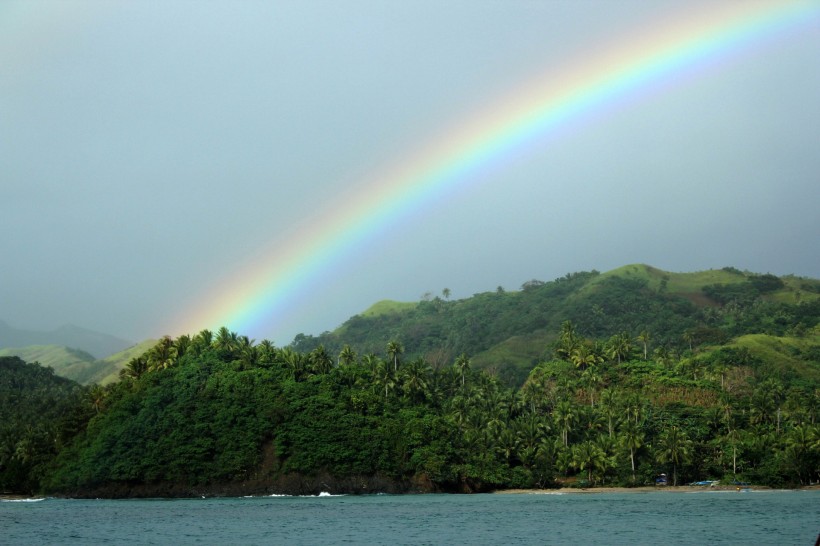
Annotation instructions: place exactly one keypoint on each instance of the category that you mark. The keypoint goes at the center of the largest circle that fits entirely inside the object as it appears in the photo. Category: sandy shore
(570, 490)
(643, 489)
(10, 497)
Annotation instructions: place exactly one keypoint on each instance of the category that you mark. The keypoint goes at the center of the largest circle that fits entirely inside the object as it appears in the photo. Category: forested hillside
(645, 373)
(218, 414)
(40, 413)
(509, 332)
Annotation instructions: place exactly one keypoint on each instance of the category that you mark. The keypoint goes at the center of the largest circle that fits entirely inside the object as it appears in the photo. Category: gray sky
(151, 149)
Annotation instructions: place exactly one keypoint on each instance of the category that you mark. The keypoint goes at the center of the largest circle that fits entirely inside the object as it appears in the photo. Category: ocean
(708, 517)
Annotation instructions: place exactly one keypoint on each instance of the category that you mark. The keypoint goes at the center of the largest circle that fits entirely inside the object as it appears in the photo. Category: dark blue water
(767, 517)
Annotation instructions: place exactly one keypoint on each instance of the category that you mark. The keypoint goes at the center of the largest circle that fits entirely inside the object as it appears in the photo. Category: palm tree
(530, 430)
(720, 368)
(796, 406)
(294, 362)
(689, 366)
(632, 439)
(507, 444)
(689, 338)
(415, 379)
(644, 338)
(458, 410)
(777, 394)
(761, 408)
(495, 409)
(608, 447)
(619, 347)
(588, 456)
(633, 406)
(563, 459)
(370, 361)
(320, 360)
(202, 341)
(394, 349)
(247, 352)
(733, 436)
(267, 352)
(463, 366)
(565, 417)
(662, 356)
(135, 368)
(568, 340)
(206, 336)
(609, 408)
(584, 356)
(813, 405)
(347, 355)
(532, 392)
(161, 355)
(675, 448)
(181, 346)
(97, 394)
(802, 449)
(226, 342)
(384, 377)
(591, 379)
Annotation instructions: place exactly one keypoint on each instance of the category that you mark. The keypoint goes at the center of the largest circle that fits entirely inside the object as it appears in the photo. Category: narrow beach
(644, 489)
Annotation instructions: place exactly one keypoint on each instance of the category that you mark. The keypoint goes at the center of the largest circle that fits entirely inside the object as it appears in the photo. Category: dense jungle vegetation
(726, 391)
(39, 416)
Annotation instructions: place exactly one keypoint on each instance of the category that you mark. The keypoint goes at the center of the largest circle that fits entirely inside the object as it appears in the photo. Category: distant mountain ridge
(97, 344)
(78, 365)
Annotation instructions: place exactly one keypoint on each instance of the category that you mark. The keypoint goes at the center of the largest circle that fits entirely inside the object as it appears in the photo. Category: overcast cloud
(149, 149)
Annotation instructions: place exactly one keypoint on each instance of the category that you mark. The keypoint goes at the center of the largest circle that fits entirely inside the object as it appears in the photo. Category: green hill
(218, 415)
(78, 365)
(509, 331)
(66, 362)
(108, 369)
(89, 341)
(386, 307)
(785, 357)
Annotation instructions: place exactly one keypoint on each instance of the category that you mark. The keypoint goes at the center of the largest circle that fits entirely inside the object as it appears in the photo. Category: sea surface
(709, 517)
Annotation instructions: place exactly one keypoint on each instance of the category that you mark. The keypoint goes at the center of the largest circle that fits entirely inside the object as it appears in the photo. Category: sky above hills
(279, 166)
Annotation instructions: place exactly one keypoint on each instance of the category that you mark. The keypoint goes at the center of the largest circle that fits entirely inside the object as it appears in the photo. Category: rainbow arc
(265, 291)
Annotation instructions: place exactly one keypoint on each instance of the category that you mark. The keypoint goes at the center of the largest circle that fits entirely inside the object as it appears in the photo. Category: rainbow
(263, 292)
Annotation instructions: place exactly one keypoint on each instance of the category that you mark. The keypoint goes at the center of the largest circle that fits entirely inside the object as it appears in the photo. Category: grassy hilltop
(508, 332)
(79, 365)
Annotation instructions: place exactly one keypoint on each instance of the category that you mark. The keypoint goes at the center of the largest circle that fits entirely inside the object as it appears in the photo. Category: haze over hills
(78, 365)
(97, 344)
